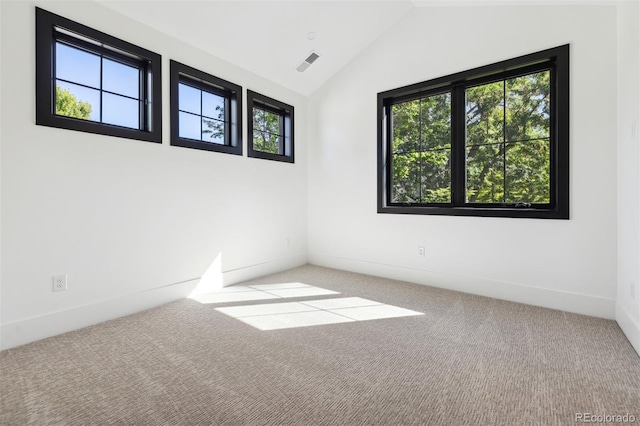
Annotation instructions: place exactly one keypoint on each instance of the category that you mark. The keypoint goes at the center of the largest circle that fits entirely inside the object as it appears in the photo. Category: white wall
(1, 125)
(128, 220)
(628, 300)
(568, 265)
(135, 224)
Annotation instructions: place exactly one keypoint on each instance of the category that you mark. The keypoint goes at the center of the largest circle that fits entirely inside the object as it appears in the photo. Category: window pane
(120, 111)
(189, 126)
(527, 107)
(288, 136)
(528, 168)
(485, 114)
(212, 105)
(406, 126)
(266, 121)
(77, 101)
(120, 78)
(436, 176)
(213, 131)
(435, 121)
(265, 142)
(77, 66)
(189, 99)
(405, 179)
(420, 127)
(485, 174)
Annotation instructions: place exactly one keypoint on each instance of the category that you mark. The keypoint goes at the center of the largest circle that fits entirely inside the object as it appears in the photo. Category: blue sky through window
(80, 72)
(201, 115)
(120, 78)
(77, 66)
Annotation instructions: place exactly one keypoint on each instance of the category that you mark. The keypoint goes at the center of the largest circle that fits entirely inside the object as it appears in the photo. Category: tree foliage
(68, 105)
(422, 150)
(213, 129)
(266, 131)
(507, 148)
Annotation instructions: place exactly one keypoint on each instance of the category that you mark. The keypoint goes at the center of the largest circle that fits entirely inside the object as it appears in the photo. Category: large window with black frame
(492, 141)
(90, 81)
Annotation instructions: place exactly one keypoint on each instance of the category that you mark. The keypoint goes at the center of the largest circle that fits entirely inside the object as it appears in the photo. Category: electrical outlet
(288, 243)
(421, 251)
(632, 289)
(59, 283)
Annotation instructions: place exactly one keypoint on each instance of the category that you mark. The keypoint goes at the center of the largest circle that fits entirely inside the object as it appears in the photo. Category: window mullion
(201, 118)
(420, 151)
(143, 123)
(101, 92)
(554, 133)
(504, 141)
(281, 134)
(458, 147)
(387, 153)
(227, 121)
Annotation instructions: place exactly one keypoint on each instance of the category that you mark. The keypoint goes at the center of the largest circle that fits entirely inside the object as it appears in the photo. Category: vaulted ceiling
(271, 38)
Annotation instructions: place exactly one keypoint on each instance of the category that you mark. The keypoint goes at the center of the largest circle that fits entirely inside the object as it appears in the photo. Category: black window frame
(231, 92)
(555, 59)
(51, 28)
(285, 113)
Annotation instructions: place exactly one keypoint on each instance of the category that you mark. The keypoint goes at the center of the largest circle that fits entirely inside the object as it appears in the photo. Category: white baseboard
(548, 298)
(629, 326)
(261, 269)
(17, 333)
(28, 330)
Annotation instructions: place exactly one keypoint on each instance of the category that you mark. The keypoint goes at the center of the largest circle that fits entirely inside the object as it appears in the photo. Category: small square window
(205, 111)
(89, 81)
(271, 130)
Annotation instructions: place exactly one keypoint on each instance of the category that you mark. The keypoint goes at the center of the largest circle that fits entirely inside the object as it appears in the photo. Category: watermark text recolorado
(604, 418)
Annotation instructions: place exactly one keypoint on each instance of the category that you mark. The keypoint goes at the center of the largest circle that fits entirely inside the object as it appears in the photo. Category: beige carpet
(467, 360)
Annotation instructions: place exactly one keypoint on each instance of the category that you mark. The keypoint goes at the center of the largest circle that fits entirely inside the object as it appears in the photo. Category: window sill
(527, 213)
(268, 156)
(206, 146)
(69, 123)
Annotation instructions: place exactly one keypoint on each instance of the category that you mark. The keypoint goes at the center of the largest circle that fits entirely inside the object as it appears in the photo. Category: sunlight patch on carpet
(276, 316)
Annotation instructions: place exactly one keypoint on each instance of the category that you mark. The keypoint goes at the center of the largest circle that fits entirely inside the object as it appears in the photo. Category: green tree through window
(507, 141)
(266, 131)
(70, 106)
(205, 110)
(270, 132)
(422, 150)
(490, 141)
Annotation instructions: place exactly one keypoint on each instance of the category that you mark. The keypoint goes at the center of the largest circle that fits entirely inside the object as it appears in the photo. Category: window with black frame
(205, 111)
(89, 81)
(492, 141)
(271, 131)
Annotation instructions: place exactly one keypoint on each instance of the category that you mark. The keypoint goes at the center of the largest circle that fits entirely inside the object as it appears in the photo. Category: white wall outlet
(421, 251)
(59, 283)
(288, 243)
(632, 289)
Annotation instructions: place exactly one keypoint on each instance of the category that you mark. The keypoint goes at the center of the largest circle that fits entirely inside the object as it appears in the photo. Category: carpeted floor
(466, 360)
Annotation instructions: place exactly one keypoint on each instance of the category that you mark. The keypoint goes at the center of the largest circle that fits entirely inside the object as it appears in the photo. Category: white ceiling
(270, 38)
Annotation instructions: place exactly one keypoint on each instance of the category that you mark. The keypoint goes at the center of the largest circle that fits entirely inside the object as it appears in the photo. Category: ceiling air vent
(313, 56)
